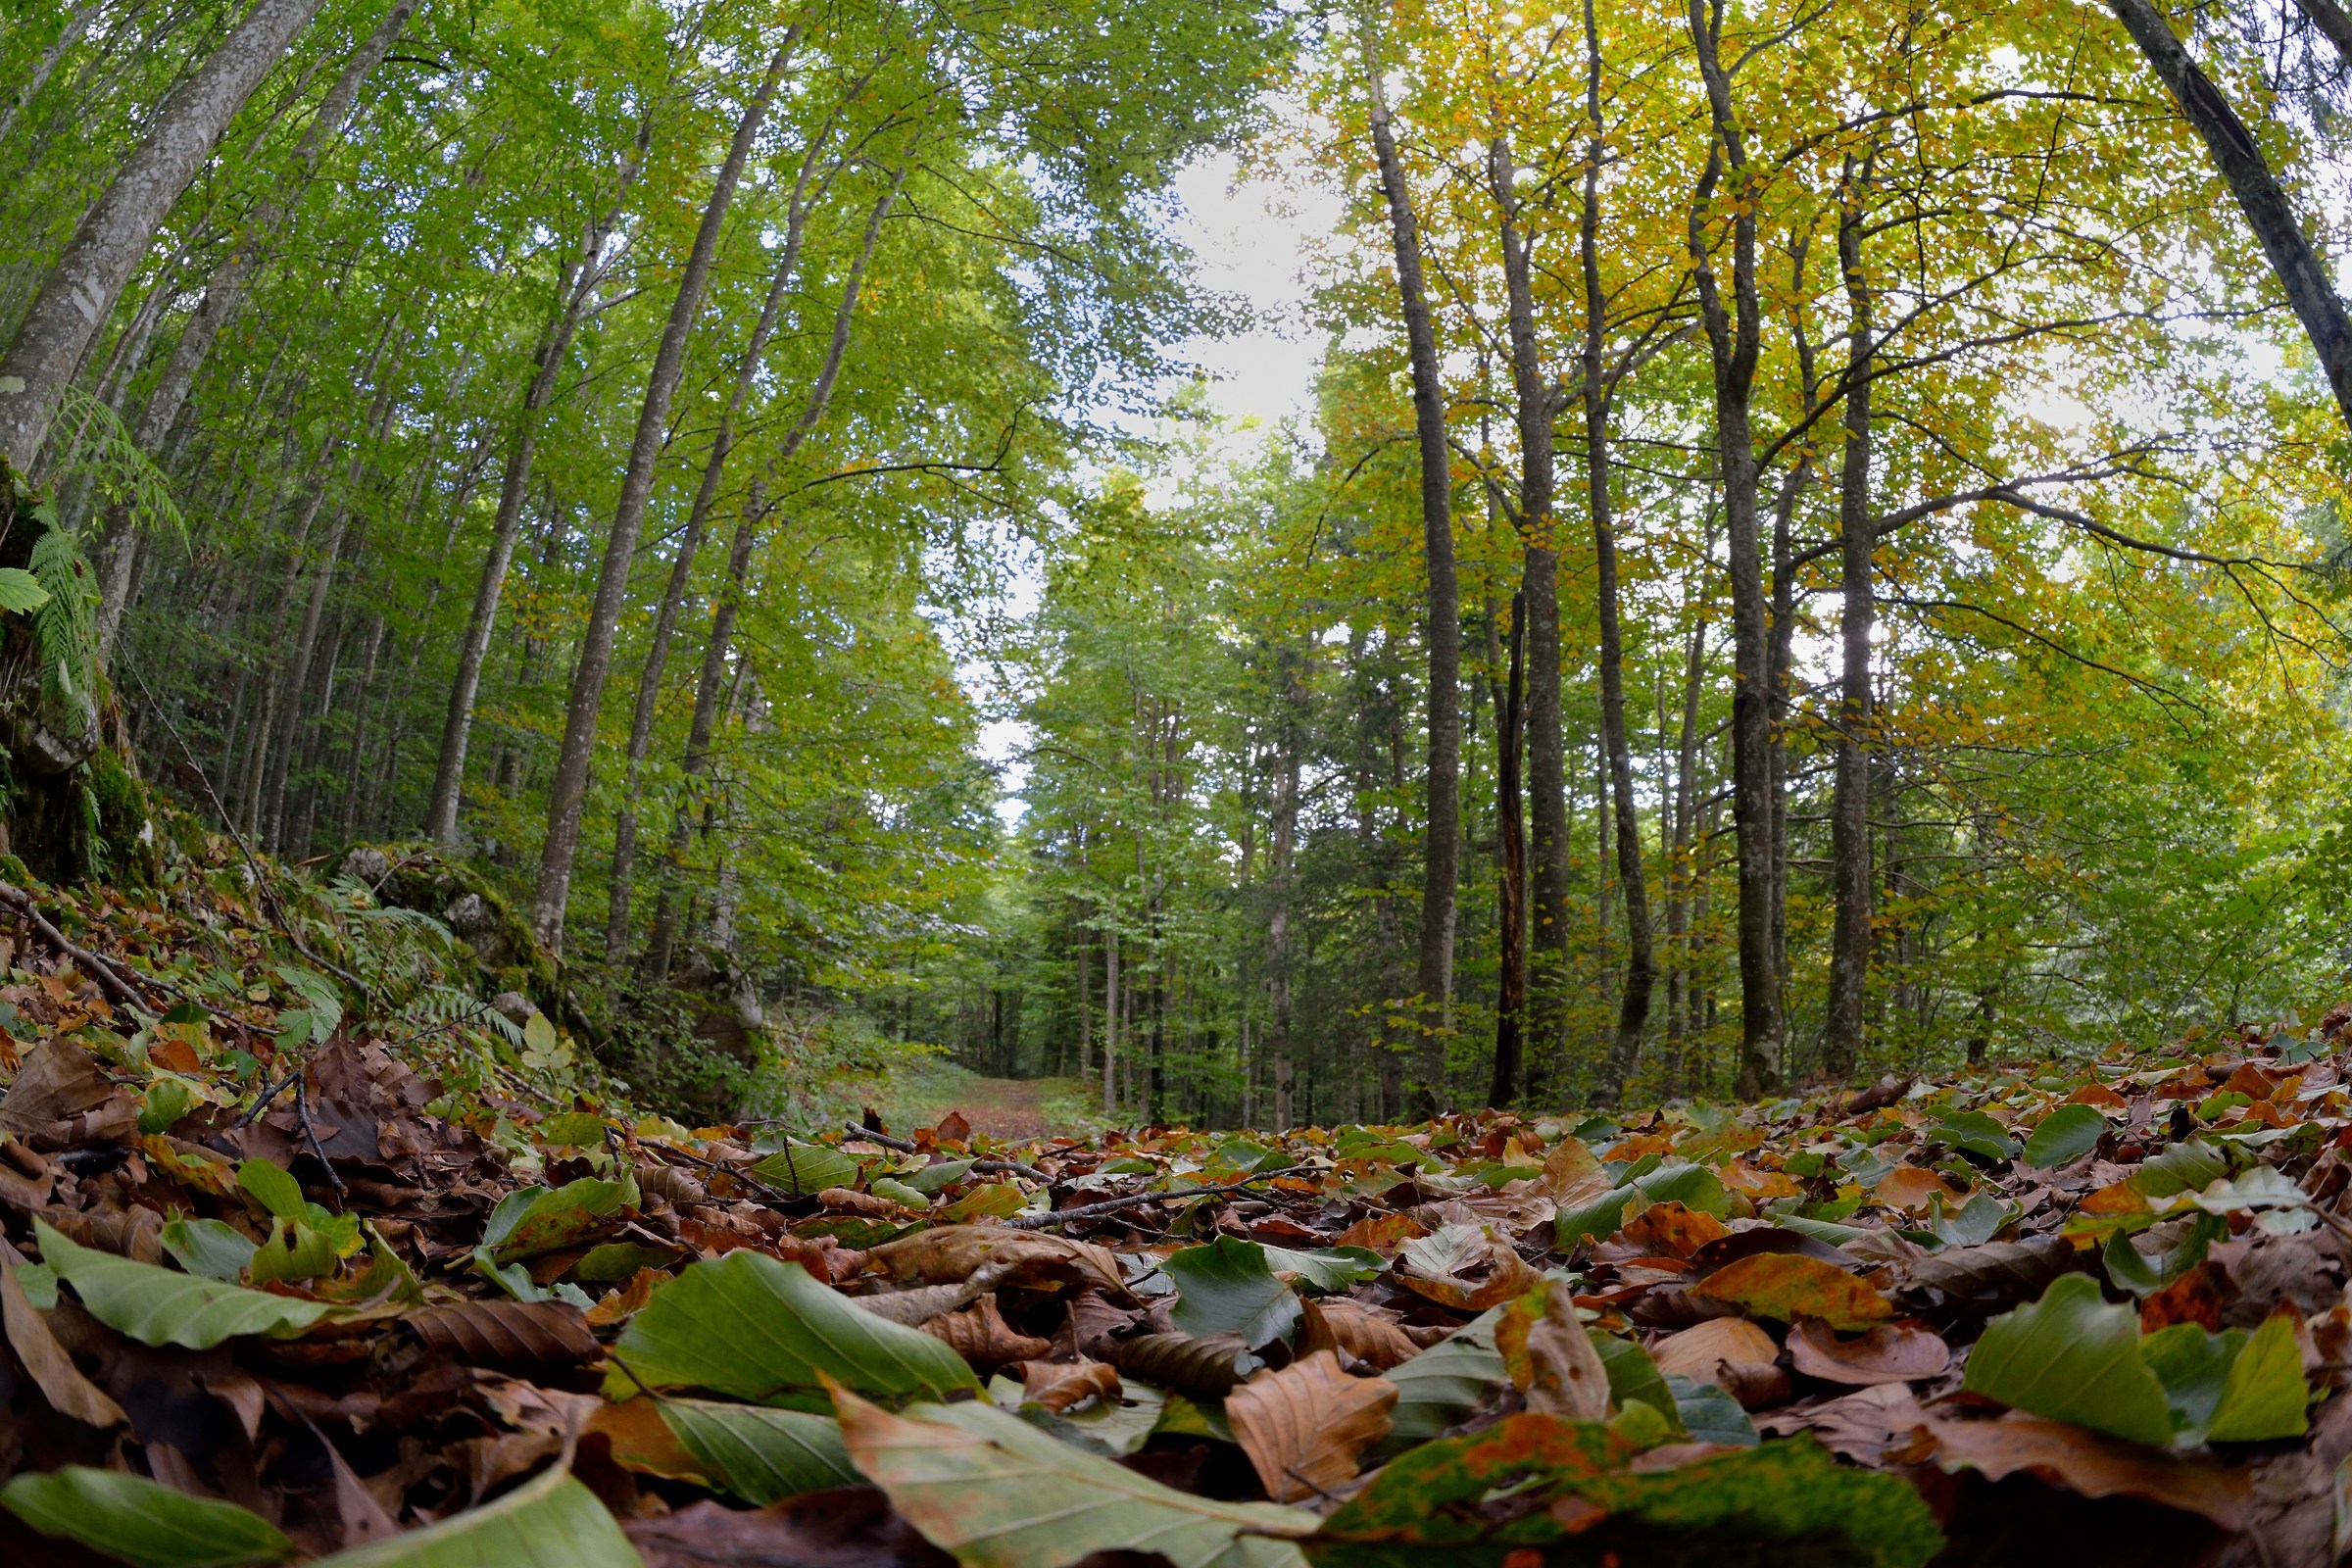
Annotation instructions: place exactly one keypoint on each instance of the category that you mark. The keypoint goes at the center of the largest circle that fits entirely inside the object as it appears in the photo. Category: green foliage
(142, 1523)
(1228, 1286)
(158, 1306)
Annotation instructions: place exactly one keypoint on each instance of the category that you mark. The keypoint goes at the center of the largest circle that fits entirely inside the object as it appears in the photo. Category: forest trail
(1008, 1108)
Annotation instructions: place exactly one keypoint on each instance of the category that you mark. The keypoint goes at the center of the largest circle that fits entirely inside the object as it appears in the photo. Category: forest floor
(315, 1275)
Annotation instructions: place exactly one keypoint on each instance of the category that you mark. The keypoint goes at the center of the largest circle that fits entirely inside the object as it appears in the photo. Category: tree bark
(1850, 807)
(1641, 959)
(1735, 330)
(568, 790)
(1441, 857)
(224, 296)
(1510, 1000)
(2260, 196)
(578, 286)
(81, 288)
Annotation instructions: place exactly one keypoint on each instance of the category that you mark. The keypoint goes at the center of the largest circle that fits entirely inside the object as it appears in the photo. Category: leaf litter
(282, 1283)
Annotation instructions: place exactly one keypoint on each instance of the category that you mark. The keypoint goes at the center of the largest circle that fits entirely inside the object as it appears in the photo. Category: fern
(66, 626)
(439, 1005)
(102, 451)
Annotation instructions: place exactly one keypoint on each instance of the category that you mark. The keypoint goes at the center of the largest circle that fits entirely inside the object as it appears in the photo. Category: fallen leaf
(1306, 1428)
(61, 1382)
(1790, 1285)
(848, 1527)
(1565, 1374)
(981, 1336)
(1890, 1353)
(949, 1254)
(507, 1334)
(2094, 1464)
(1703, 1351)
(2073, 1358)
(1060, 1385)
(1362, 1335)
(1465, 1267)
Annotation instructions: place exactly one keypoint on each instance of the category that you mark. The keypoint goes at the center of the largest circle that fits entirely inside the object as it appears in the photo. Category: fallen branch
(1031, 1222)
(116, 988)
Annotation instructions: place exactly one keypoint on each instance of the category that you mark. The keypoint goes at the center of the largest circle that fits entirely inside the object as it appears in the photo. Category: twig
(984, 1166)
(99, 969)
(263, 1103)
(748, 1180)
(302, 1114)
(1031, 1222)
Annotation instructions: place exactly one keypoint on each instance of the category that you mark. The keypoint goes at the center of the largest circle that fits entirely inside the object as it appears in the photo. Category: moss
(127, 847)
(419, 876)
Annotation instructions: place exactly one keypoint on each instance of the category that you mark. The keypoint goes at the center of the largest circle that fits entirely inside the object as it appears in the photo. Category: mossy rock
(419, 876)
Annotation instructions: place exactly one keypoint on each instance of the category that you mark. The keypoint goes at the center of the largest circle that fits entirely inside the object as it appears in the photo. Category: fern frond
(103, 451)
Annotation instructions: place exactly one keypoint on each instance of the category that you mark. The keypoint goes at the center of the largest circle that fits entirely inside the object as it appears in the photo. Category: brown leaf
(1890, 1353)
(507, 1334)
(1060, 1385)
(948, 1254)
(2094, 1464)
(619, 1305)
(849, 1527)
(1381, 1232)
(61, 1382)
(638, 1439)
(1203, 1367)
(1996, 1275)
(1702, 1351)
(1565, 1375)
(953, 1128)
(981, 1336)
(1915, 1189)
(849, 1200)
(60, 1099)
(1467, 1267)
(1356, 1331)
(1306, 1428)
(1093, 1326)
(1863, 1426)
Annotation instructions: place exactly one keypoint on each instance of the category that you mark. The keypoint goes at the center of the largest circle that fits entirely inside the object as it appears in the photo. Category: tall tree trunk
(1281, 847)
(1679, 870)
(568, 790)
(107, 247)
(1110, 1011)
(1510, 1000)
(673, 595)
(572, 295)
(1441, 856)
(1850, 807)
(1536, 618)
(2293, 262)
(1735, 332)
(1640, 959)
(225, 297)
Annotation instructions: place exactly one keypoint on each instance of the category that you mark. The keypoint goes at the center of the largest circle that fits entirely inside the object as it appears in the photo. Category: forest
(1718, 857)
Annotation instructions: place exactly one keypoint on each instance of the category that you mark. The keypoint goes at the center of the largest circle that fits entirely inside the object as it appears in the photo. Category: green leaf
(1783, 1502)
(1228, 1287)
(932, 1180)
(1329, 1268)
(573, 1129)
(2064, 1135)
(748, 1326)
(2265, 1396)
(2071, 1356)
(996, 1201)
(212, 1248)
(1710, 1414)
(550, 1521)
(2184, 1167)
(156, 1307)
(1000, 1494)
(294, 1251)
(762, 1454)
(546, 1219)
(1978, 1221)
(21, 592)
(167, 1099)
(1972, 1132)
(1695, 1187)
(1634, 1377)
(273, 1187)
(1451, 1381)
(803, 1170)
(2193, 1367)
(1598, 1220)
(147, 1525)
(2146, 1273)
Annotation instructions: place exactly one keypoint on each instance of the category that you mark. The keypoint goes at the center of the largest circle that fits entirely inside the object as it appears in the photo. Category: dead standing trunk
(112, 239)
(1441, 857)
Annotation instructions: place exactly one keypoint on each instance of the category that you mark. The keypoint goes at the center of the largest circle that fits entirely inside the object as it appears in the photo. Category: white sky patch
(1258, 240)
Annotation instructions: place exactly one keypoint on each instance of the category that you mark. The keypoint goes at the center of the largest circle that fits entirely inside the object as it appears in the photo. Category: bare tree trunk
(1735, 332)
(1510, 1000)
(1440, 858)
(666, 619)
(225, 297)
(2298, 267)
(1850, 809)
(568, 790)
(1110, 1012)
(555, 345)
(1282, 842)
(112, 237)
(1640, 959)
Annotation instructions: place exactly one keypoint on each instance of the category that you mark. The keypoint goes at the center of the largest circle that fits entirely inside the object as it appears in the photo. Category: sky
(1255, 240)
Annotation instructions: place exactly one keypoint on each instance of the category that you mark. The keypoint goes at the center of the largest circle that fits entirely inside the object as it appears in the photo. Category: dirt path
(1003, 1107)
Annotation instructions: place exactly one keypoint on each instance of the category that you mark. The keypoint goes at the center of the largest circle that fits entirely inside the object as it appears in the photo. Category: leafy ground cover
(304, 1259)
